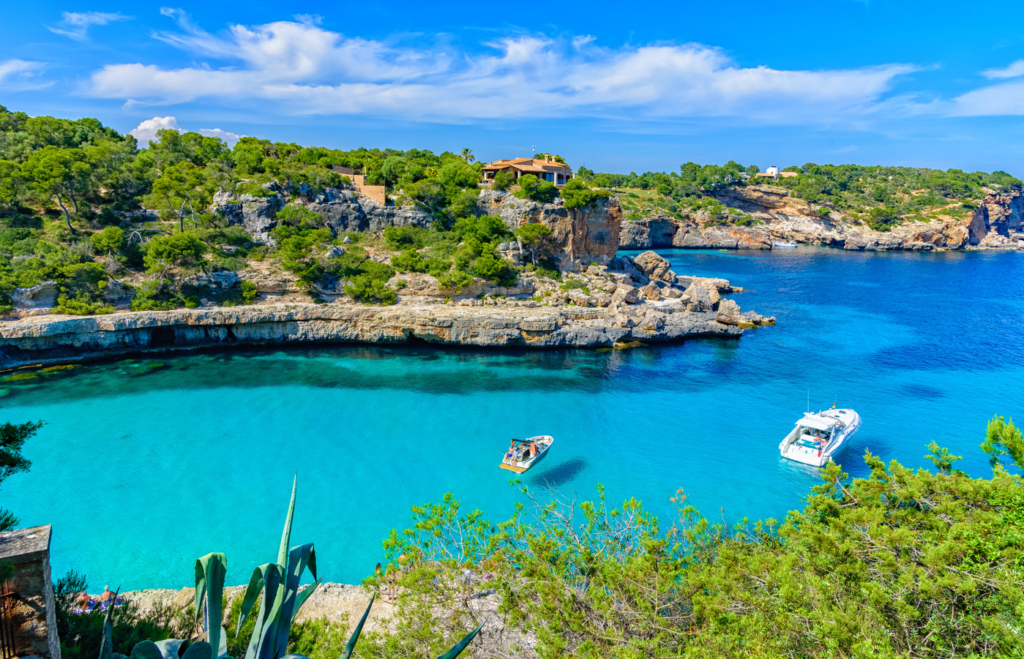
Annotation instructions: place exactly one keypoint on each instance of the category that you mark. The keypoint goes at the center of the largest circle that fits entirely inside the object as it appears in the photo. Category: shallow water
(146, 464)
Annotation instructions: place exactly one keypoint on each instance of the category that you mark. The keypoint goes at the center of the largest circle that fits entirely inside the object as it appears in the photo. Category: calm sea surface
(141, 469)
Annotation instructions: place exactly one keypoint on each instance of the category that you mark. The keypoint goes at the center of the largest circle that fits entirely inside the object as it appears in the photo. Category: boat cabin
(815, 431)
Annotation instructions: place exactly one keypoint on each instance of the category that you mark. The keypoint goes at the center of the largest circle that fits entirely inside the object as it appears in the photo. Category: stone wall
(375, 192)
(34, 609)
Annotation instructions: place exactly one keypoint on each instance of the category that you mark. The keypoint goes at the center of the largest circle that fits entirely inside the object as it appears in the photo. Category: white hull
(784, 245)
(817, 438)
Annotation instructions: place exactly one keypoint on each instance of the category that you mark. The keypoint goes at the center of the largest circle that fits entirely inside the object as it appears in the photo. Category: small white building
(772, 171)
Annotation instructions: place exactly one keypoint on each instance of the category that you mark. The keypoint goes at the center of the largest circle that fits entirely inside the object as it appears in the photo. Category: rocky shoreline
(997, 223)
(646, 302)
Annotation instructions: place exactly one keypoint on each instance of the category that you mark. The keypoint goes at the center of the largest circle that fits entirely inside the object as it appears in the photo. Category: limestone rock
(653, 265)
(647, 233)
(702, 296)
(627, 294)
(652, 321)
(218, 282)
(579, 298)
(580, 236)
(651, 292)
(116, 293)
(601, 299)
(40, 296)
(257, 215)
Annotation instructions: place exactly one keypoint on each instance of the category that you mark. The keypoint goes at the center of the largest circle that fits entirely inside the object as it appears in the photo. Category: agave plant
(278, 583)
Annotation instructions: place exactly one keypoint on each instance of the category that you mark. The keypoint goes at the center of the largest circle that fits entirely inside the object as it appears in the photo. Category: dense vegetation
(878, 196)
(12, 439)
(76, 204)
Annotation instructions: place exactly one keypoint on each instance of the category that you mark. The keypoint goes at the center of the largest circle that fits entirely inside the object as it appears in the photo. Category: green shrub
(249, 291)
(409, 261)
(403, 238)
(184, 250)
(455, 280)
(574, 285)
(503, 180)
(530, 187)
(577, 194)
(81, 305)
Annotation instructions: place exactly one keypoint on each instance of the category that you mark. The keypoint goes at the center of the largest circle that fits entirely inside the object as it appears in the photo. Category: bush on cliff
(534, 189)
(577, 194)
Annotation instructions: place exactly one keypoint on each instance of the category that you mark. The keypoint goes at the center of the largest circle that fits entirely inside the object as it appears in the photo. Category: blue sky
(616, 86)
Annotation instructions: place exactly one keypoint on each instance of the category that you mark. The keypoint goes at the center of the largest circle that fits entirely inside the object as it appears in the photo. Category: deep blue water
(141, 470)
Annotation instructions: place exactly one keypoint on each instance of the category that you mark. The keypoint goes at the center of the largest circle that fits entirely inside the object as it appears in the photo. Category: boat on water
(783, 244)
(519, 457)
(818, 437)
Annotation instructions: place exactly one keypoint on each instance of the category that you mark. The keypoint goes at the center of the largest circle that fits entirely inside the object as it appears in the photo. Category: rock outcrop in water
(995, 224)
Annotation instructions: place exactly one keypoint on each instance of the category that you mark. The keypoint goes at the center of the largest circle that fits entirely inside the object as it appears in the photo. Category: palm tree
(467, 155)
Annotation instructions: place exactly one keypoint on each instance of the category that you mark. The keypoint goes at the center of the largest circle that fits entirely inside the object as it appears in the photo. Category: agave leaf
(355, 634)
(198, 650)
(210, 571)
(461, 645)
(263, 643)
(301, 598)
(282, 552)
(295, 656)
(168, 648)
(107, 644)
(299, 559)
(147, 650)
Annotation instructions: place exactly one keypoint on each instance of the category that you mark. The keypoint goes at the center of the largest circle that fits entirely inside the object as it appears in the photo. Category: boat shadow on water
(560, 474)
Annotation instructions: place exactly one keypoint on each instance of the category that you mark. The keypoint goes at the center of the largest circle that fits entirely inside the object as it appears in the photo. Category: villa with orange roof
(545, 168)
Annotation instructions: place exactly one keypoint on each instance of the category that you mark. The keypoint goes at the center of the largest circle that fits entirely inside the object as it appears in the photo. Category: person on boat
(511, 450)
(533, 449)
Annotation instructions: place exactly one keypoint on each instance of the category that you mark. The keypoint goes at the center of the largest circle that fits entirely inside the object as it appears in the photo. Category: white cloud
(76, 24)
(306, 69)
(1012, 71)
(21, 75)
(1005, 98)
(225, 135)
(146, 131)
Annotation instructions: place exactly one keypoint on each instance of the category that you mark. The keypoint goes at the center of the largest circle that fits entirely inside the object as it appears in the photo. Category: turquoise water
(141, 468)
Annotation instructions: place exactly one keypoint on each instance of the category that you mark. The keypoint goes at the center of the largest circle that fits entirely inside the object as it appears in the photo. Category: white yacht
(781, 243)
(818, 437)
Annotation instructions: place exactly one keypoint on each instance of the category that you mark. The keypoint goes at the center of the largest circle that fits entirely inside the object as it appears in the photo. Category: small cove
(146, 464)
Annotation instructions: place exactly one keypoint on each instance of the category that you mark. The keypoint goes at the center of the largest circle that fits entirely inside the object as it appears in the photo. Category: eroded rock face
(257, 215)
(40, 296)
(580, 236)
(647, 234)
(41, 338)
(418, 284)
(702, 295)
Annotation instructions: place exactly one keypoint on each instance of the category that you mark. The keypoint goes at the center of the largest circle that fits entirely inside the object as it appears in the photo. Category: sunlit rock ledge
(52, 338)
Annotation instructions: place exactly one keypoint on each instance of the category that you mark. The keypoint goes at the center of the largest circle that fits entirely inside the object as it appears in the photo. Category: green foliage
(12, 439)
(297, 215)
(503, 180)
(531, 187)
(108, 241)
(535, 238)
(409, 261)
(183, 250)
(1003, 438)
(81, 634)
(577, 194)
(249, 291)
(883, 218)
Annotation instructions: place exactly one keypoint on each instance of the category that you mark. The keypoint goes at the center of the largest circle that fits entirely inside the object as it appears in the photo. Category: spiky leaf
(355, 634)
(461, 645)
(107, 643)
(210, 572)
(169, 647)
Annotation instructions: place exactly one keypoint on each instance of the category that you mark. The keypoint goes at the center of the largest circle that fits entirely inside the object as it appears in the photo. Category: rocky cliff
(641, 301)
(995, 224)
(580, 236)
(342, 209)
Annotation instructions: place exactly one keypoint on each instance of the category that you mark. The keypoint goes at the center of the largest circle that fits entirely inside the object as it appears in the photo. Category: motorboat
(818, 437)
(521, 456)
(783, 244)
